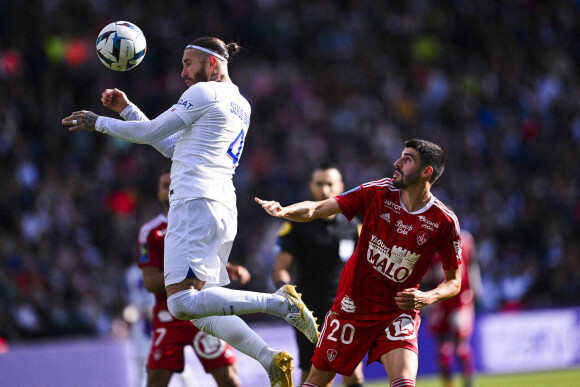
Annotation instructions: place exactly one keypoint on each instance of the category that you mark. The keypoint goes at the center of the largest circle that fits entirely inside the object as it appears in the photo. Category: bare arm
(238, 272)
(282, 264)
(153, 279)
(303, 211)
(410, 299)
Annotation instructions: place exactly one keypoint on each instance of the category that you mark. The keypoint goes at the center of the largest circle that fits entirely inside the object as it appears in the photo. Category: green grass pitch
(561, 378)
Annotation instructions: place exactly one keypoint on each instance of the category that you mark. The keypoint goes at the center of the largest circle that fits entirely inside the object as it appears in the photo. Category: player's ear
(212, 63)
(427, 172)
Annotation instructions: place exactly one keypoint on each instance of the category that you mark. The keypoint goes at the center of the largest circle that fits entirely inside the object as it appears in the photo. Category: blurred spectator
(501, 97)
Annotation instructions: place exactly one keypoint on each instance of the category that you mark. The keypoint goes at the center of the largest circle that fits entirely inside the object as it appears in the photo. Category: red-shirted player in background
(376, 309)
(452, 320)
(170, 335)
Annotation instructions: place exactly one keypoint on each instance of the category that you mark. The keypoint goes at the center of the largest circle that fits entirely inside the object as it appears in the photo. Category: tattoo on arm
(89, 119)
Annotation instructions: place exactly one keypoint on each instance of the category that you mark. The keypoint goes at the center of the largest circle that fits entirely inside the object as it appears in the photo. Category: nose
(183, 73)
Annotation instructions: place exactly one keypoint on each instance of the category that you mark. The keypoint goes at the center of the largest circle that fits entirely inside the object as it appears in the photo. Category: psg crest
(422, 237)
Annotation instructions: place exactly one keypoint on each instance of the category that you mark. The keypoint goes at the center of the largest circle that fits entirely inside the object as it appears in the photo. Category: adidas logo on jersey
(386, 217)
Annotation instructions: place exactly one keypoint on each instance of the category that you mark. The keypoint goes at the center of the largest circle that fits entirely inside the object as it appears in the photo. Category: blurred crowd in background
(495, 83)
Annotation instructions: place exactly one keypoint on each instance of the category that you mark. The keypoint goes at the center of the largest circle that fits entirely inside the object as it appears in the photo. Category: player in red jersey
(452, 320)
(376, 309)
(170, 335)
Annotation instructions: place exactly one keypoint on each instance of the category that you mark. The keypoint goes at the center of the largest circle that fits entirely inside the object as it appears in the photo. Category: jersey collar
(420, 211)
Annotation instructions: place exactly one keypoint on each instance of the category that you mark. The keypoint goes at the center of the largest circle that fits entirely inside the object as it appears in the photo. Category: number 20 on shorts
(346, 334)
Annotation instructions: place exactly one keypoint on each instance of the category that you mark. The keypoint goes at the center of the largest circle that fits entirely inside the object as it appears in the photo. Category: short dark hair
(431, 155)
(218, 46)
(325, 165)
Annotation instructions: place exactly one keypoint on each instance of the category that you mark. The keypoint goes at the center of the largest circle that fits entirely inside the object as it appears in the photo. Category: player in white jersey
(204, 133)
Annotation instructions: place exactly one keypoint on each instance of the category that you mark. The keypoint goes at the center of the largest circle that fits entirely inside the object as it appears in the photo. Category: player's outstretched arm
(115, 99)
(301, 212)
(81, 120)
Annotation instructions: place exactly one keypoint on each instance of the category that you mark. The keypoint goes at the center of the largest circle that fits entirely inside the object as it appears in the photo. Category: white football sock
(191, 304)
(234, 331)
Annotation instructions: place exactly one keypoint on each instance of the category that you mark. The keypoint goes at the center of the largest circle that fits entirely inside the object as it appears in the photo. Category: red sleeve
(450, 248)
(352, 202)
(150, 253)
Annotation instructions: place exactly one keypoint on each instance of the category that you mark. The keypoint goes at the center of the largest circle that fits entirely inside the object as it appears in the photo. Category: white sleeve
(133, 113)
(167, 145)
(164, 146)
(161, 132)
(194, 102)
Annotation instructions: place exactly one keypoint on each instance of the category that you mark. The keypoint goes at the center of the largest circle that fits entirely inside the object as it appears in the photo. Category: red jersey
(395, 248)
(150, 249)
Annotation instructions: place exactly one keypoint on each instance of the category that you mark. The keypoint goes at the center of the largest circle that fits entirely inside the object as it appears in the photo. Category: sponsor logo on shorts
(157, 354)
(347, 304)
(402, 328)
(331, 354)
(422, 237)
(208, 347)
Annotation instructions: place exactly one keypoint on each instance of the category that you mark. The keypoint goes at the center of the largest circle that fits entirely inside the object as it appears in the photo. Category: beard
(406, 180)
(201, 76)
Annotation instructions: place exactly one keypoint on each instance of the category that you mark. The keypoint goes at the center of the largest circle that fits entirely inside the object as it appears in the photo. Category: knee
(177, 310)
(183, 306)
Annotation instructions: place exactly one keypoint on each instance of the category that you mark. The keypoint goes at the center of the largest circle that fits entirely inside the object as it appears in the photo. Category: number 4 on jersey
(239, 143)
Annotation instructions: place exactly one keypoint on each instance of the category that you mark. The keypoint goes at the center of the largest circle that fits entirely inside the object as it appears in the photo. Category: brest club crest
(422, 237)
(331, 354)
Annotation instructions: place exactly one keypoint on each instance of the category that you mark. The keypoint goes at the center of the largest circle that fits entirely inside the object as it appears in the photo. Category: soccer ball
(121, 46)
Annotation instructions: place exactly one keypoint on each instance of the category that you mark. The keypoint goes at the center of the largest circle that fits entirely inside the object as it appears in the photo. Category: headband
(208, 51)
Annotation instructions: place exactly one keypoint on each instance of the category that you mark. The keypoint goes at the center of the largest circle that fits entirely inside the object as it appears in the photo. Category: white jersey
(203, 133)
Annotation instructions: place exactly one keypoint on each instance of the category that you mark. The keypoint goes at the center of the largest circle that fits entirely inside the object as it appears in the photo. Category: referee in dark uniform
(316, 252)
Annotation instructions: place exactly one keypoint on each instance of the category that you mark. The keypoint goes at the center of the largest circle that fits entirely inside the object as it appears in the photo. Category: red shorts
(344, 342)
(170, 338)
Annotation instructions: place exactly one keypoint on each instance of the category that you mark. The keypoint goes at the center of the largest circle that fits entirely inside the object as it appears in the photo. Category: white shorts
(200, 235)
